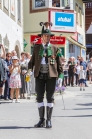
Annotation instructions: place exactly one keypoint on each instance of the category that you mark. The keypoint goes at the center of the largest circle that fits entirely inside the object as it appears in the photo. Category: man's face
(45, 38)
(14, 53)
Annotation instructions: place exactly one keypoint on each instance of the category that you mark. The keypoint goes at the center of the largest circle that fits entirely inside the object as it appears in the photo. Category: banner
(54, 40)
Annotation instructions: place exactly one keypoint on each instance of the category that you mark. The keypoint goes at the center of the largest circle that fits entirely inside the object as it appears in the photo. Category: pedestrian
(71, 65)
(82, 76)
(47, 61)
(77, 73)
(65, 70)
(13, 53)
(7, 89)
(90, 70)
(2, 70)
(84, 64)
(24, 68)
(15, 80)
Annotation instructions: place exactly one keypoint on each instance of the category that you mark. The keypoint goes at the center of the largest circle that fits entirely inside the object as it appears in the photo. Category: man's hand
(59, 82)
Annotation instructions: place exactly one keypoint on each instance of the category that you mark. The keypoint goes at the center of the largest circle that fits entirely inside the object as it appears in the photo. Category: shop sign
(54, 40)
(80, 38)
(63, 21)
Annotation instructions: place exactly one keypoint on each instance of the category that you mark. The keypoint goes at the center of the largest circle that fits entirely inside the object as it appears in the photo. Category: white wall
(11, 28)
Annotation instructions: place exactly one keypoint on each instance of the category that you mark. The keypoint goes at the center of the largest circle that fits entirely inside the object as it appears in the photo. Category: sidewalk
(68, 93)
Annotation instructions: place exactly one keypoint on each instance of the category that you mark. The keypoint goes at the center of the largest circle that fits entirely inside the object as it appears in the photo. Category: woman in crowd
(15, 80)
(65, 70)
(77, 73)
(24, 68)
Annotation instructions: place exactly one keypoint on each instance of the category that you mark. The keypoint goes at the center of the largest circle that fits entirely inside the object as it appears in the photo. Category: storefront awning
(76, 43)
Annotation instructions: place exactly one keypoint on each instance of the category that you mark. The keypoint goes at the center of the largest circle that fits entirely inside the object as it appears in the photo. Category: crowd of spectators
(77, 72)
(12, 75)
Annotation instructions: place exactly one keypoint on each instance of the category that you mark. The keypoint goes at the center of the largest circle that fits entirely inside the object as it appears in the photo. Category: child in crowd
(82, 76)
(15, 80)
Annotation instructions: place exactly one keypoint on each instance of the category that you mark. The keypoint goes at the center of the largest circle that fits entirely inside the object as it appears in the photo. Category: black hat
(45, 28)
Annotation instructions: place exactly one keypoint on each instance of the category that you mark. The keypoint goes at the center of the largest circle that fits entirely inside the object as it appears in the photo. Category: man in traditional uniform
(47, 65)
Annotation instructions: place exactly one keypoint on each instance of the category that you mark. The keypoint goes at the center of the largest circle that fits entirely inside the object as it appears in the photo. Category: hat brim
(46, 34)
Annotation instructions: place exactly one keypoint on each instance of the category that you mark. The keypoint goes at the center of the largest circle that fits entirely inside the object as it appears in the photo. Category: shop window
(55, 3)
(65, 3)
(19, 10)
(12, 5)
(0, 1)
(80, 16)
(76, 9)
(71, 48)
(6, 43)
(6, 6)
(59, 3)
(39, 4)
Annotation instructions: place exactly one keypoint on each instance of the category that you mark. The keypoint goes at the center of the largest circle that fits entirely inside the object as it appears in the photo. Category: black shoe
(48, 121)
(6, 98)
(2, 97)
(41, 123)
(48, 124)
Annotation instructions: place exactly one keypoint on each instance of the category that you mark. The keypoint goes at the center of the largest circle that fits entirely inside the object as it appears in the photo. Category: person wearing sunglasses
(7, 89)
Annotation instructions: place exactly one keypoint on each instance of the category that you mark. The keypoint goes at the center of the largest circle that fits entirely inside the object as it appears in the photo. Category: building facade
(11, 25)
(88, 24)
(68, 17)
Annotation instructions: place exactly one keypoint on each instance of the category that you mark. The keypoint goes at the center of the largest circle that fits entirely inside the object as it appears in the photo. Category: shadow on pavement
(80, 116)
(86, 104)
(82, 109)
(5, 102)
(14, 127)
(79, 109)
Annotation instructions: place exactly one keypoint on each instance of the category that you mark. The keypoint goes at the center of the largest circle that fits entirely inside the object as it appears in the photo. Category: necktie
(46, 57)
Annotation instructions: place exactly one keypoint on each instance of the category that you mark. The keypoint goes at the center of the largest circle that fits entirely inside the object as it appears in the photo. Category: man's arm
(4, 75)
(59, 66)
(4, 53)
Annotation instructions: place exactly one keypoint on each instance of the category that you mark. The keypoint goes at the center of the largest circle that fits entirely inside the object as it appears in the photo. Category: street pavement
(74, 122)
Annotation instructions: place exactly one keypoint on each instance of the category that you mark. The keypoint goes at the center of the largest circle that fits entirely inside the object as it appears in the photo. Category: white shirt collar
(45, 44)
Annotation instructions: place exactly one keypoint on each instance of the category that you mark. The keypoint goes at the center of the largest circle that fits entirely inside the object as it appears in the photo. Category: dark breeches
(47, 85)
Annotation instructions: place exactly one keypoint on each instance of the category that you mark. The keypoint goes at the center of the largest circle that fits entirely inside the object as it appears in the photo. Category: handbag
(27, 78)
